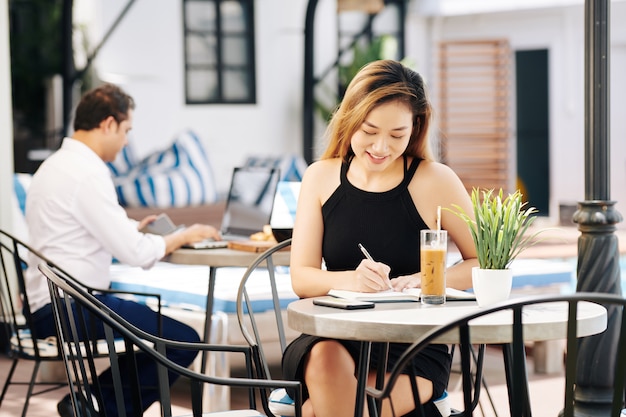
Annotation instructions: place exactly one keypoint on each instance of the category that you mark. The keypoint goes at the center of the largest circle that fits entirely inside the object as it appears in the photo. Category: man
(75, 220)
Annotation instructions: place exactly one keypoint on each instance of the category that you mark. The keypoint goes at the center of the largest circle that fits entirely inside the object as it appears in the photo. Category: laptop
(248, 206)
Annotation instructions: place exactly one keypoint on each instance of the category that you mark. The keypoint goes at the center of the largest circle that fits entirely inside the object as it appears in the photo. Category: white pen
(368, 256)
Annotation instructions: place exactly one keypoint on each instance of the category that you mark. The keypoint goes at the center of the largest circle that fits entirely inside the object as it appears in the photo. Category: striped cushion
(124, 162)
(48, 346)
(281, 404)
(178, 176)
(230, 413)
(291, 167)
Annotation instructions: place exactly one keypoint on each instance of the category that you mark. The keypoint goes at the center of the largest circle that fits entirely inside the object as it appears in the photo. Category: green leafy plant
(500, 226)
(381, 47)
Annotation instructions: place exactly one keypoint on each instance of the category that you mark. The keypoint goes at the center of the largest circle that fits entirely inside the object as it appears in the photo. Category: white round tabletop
(406, 322)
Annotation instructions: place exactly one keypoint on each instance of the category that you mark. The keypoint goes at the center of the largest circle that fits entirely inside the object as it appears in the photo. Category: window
(219, 51)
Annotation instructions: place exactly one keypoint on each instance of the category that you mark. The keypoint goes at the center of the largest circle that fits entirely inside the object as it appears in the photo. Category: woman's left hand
(407, 281)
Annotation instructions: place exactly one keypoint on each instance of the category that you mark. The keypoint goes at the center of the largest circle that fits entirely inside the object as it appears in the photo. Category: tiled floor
(545, 392)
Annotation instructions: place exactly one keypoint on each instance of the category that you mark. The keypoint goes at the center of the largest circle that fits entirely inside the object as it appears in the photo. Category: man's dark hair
(101, 102)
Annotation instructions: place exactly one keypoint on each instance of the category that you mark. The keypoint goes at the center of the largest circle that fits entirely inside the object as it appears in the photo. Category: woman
(377, 184)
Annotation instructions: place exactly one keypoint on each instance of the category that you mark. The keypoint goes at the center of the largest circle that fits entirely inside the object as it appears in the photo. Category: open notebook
(390, 296)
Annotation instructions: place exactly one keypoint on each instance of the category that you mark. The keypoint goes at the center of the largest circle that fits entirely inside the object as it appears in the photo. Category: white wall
(6, 123)
(561, 32)
(145, 56)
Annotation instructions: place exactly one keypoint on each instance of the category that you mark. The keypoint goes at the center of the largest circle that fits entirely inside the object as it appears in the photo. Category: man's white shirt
(75, 220)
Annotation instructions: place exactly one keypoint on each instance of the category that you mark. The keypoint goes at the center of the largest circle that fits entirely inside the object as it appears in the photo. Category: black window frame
(220, 68)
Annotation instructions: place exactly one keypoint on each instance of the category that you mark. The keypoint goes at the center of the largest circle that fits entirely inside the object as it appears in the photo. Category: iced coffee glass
(433, 249)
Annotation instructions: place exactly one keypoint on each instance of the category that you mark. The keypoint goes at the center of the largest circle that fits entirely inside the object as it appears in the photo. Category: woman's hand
(407, 281)
(372, 276)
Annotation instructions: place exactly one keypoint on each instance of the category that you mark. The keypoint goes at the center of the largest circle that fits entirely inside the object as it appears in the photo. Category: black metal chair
(22, 341)
(81, 368)
(515, 358)
(253, 315)
(477, 353)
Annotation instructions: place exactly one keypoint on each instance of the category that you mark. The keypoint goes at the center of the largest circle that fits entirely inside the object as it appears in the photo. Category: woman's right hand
(372, 276)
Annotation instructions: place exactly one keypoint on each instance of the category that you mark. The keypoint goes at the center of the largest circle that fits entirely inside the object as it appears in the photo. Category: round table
(406, 322)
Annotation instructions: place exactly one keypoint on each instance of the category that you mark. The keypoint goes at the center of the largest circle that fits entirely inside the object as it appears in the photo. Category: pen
(365, 252)
(368, 256)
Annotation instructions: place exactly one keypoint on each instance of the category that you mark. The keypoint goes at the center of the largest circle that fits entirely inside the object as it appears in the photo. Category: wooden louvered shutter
(473, 112)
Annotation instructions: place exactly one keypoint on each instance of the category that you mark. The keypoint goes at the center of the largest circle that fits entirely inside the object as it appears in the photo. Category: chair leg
(31, 386)
(480, 380)
(478, 383)
(7, 382)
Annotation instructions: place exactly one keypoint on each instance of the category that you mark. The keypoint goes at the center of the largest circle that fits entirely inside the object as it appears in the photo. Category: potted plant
(499, 230)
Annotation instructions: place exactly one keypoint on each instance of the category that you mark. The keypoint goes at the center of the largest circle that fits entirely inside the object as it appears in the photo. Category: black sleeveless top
(386, 223)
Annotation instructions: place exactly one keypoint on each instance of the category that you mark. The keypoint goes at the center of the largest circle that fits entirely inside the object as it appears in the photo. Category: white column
(6, 122)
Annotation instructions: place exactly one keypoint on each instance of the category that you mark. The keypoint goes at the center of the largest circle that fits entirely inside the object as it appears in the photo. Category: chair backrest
(520, 398)
(254, 314)
(74, 309)
(263, 294)
(15, 256)
(16, 318)
(17, 329)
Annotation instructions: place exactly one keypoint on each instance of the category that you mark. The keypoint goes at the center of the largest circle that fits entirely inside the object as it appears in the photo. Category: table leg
(381, 371)
(515, 365)
(209, 314)
(361, 378)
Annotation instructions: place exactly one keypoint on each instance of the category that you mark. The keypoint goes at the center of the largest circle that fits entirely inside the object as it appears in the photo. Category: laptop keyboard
(207, 244)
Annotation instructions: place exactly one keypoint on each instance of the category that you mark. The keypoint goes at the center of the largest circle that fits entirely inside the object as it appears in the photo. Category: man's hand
(146, 221)
(198, 232)
(191, 234)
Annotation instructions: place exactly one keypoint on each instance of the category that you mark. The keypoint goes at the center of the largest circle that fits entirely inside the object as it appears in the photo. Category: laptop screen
(250, 200)
(285, 204)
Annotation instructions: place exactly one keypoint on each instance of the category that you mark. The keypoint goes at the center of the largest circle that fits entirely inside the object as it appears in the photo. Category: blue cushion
(20, 186)
(178, 176)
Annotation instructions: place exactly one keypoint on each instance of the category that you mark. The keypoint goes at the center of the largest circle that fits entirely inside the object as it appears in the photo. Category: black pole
(309, 83)
(68, 69)
(106, 36)
(70, 74)
(598, 250)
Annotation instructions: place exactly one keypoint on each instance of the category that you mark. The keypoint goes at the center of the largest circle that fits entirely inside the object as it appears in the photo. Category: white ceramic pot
(491, 286)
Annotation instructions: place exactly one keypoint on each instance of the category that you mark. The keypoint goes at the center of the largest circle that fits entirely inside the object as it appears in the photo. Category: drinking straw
(438, 218)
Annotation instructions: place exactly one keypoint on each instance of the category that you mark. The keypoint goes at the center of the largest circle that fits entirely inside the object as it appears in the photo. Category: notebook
(248, 206)
(390, 296)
